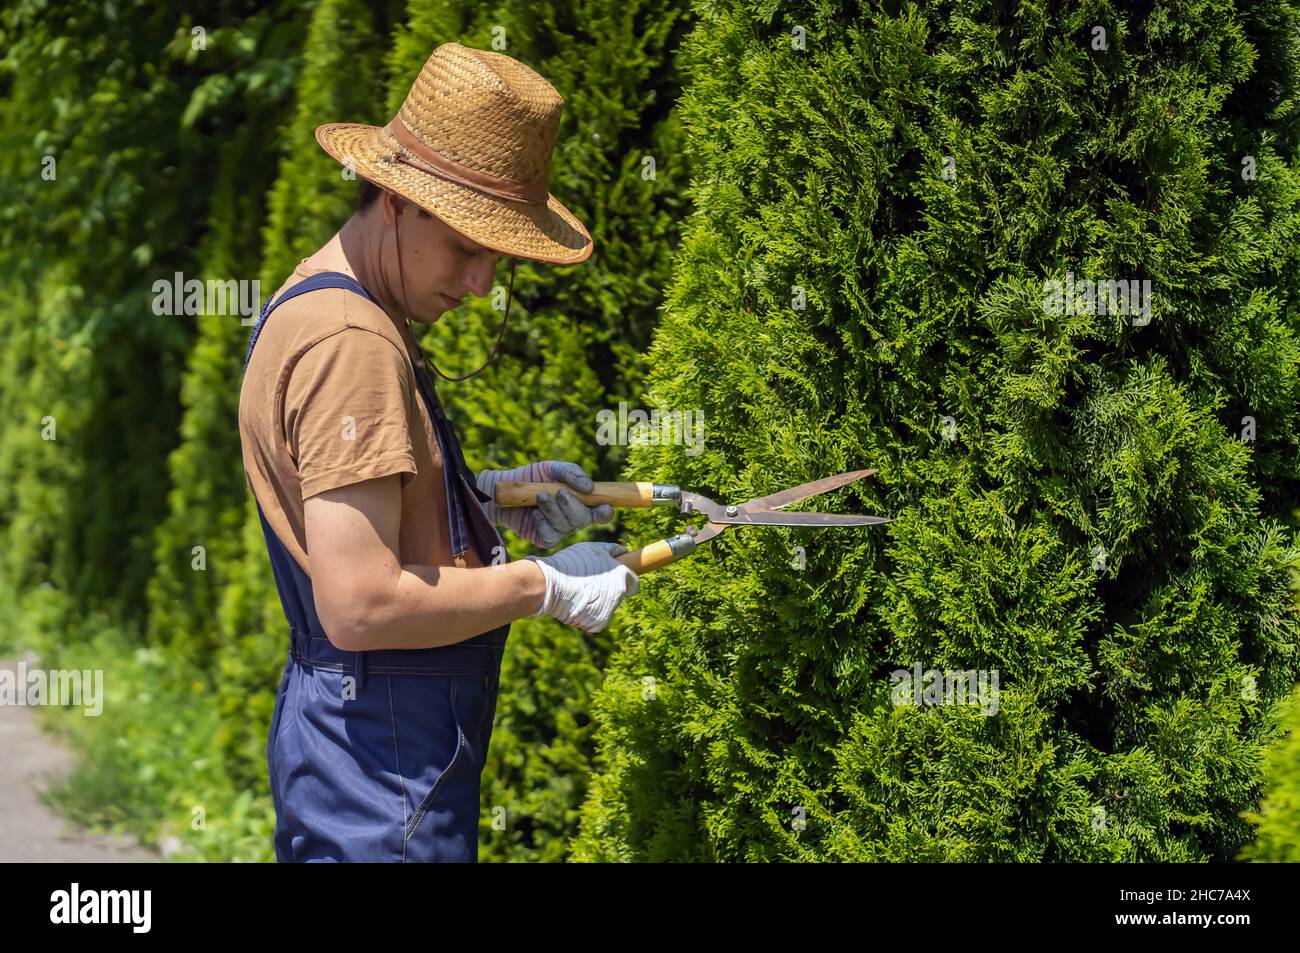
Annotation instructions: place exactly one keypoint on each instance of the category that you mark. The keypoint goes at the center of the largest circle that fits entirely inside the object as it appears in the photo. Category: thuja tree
(574, 347)
(91, 365)
(1088, 502)
(135, 142)
(1278, 819)
(108, 129)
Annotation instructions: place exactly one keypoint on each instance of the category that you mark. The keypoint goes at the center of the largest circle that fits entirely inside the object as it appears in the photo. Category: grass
(147, 766)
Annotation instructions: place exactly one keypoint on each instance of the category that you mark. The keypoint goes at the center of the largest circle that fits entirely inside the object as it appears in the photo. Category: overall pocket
(429, 740)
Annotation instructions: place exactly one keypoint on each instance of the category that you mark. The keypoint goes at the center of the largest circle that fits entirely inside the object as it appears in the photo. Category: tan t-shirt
(329, 399)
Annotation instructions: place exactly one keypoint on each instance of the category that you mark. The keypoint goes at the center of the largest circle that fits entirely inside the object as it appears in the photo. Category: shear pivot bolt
(731, 511)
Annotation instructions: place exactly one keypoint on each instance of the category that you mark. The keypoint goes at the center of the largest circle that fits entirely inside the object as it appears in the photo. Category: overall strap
(429, 392)
(456, 473)
(324, 279)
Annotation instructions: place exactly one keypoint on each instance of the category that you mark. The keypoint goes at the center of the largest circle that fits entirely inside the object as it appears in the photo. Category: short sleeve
(346, 412)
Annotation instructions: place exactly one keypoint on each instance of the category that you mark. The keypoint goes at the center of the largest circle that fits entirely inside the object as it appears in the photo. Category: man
(395, 582)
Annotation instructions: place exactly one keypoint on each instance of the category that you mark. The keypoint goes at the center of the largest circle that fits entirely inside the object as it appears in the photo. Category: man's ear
(392, 206)
(395, 205)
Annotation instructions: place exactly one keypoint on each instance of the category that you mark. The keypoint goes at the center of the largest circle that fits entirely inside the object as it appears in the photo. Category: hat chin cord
(397, 237)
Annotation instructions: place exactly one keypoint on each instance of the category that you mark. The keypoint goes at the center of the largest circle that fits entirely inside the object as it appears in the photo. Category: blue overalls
(376, 756)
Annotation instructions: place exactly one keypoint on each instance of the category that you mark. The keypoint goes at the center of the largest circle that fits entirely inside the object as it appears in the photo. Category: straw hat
(472, 145)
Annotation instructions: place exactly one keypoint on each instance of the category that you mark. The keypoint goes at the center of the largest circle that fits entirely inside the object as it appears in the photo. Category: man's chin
(431, 314)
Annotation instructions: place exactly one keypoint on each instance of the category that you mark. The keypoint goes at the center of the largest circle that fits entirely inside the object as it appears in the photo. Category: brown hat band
(426, 160)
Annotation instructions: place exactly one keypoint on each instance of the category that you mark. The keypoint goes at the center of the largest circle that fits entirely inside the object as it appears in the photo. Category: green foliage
(1075, 507)
(341, 81)
(1278, 820)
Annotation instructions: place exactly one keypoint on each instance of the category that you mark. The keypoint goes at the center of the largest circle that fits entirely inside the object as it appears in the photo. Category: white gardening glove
(585, 584)
(554, 517)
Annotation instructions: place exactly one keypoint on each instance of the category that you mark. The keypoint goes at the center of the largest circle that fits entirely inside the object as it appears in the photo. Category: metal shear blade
(762, 511)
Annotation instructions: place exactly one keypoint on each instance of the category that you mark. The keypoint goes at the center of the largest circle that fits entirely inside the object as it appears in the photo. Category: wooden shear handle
(640, 561)
(657, 555)
(523, 493)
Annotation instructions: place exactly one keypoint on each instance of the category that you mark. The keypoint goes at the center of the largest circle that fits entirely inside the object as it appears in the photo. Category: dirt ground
(30, 832)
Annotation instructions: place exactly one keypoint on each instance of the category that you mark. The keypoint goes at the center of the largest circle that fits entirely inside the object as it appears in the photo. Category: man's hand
(554, 517)
(585, 583)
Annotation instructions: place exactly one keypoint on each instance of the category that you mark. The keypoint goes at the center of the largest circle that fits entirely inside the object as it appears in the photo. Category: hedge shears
(757, 512)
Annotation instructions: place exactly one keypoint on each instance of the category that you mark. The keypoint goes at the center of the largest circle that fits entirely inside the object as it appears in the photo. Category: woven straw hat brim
(547, 233)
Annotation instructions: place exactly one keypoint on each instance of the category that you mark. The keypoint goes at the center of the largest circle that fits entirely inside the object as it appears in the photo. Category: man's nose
(480, 274)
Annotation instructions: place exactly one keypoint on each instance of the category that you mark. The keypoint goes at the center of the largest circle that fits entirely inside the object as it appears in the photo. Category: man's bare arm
(367, 600)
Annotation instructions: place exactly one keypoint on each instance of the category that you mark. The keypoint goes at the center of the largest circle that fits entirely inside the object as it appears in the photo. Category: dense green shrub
(157, 125)
(1076, 507)
(1278, 833)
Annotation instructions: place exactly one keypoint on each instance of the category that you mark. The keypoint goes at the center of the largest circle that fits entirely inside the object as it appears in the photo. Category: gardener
(393, 577)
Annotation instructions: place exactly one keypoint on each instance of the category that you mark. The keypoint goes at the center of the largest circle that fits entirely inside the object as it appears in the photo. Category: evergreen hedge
(1075, 506)
(1278, 820)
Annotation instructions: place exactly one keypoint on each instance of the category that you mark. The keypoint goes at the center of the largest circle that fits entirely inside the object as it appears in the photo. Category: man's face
(440, 264)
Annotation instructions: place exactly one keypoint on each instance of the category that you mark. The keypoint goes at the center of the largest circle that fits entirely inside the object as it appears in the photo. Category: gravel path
(29, 831)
